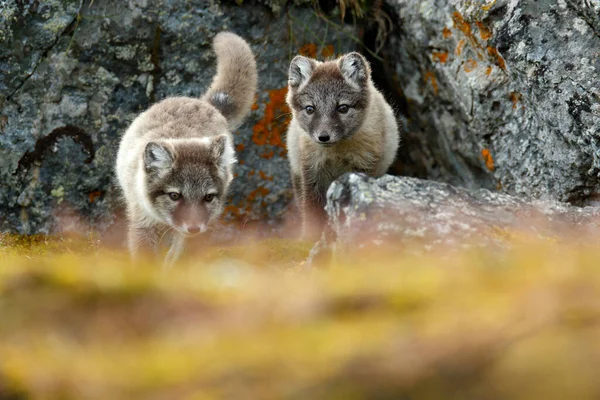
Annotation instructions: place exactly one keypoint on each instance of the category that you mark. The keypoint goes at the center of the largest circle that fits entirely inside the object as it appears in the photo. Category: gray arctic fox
(341, 123)
(175, 161)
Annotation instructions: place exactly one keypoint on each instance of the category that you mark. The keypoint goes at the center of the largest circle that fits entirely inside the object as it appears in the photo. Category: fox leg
(177, 244)
(297, 189)
(313, 208)
(141, 239)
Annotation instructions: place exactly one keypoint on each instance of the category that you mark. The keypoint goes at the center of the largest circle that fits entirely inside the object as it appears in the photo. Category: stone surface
(495, 94)
(500, 94)
(73, 76)
(429, 215)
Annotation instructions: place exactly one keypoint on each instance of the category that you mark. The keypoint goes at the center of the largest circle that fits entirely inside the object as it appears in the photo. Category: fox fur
(174, 163)
(341, 123)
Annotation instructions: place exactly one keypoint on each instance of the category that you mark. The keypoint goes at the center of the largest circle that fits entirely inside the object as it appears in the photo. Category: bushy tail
(233, 87)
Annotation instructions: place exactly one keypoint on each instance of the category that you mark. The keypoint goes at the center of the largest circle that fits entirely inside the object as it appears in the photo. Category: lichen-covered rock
(429, 215)
(500, 94)
(74, 74)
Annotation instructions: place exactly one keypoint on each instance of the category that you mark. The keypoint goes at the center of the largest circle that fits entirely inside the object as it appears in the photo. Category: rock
(495, 94)
(74, 75)
(499, 94)
(426, 215)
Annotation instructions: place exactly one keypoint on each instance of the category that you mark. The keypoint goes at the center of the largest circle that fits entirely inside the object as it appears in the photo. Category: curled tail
(233, 87)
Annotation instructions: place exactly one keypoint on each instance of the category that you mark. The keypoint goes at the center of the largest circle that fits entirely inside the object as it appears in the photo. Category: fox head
(329, 99)
(186, 181)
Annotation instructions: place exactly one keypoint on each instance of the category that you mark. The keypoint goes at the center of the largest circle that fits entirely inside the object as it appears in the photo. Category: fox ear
(301, 70)
(355, 68)
(221, 150)
(157, 157)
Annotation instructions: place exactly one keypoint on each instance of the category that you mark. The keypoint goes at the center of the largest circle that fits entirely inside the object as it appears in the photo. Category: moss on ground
(80, 323)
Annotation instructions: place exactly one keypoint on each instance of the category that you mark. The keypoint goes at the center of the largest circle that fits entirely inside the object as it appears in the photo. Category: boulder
(74, 74)
(499, 94)
(423, 215)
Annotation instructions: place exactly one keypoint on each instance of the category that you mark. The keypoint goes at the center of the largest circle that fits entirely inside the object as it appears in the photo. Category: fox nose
(323, 138)
(193, 229)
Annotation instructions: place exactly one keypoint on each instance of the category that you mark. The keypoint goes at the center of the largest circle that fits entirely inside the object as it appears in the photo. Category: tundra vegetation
(492, 94)
(251, 321)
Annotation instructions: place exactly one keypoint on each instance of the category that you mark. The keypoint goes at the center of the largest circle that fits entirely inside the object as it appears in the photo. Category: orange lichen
(487, 7)
(446, 33)
(440, 56)
(258, 192)
(233, 210)
(242, 162)
(465, 28)
(254, 106)
(268, 155)
(309, 50)
(270, 128)
(470, 65)
(328, 51)
(488, 159)
(484, 31)
(240, 147)
(515, 97)
(251, 173)
(498, 60)
(488, 70)
(461, 24)
(430, 77)
(459, 47)
(264, 176)
(93, 196)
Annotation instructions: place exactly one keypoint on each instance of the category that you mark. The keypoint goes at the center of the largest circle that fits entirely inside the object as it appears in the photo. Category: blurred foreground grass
(77, 322)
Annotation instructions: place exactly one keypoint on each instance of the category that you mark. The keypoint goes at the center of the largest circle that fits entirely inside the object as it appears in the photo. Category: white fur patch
(142, 196)
(305, 67)
(228, 157)
(162, 159)
(353, 69)
(301, 69)
(205, 141)
(220, 97)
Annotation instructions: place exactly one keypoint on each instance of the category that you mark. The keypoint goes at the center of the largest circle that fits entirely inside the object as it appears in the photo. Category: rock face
(73, 76)
(413, 211)
(495, 94)
(500, 94)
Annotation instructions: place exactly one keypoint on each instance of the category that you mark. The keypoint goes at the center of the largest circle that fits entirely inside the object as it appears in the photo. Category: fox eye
(309, 109)
(209, 197)
(343, 109)
(174, 196)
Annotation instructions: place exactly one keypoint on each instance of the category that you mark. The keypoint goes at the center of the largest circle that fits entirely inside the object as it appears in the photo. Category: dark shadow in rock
(78, 135)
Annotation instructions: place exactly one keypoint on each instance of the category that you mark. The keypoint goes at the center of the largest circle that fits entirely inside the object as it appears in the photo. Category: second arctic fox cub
(341, 123)
(175, 161)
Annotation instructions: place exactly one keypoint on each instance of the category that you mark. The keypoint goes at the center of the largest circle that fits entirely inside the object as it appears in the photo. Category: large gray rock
(500, 94)
(497, 94)
(73, 76)
(425, 215)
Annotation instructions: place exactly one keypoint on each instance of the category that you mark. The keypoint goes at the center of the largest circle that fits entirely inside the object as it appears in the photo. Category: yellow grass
(241, 323)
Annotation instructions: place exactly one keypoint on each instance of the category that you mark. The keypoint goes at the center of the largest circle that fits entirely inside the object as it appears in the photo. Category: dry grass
(241, 324)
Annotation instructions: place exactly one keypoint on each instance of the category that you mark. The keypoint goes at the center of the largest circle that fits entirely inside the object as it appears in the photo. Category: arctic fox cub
(175, 161)
(341, 123)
